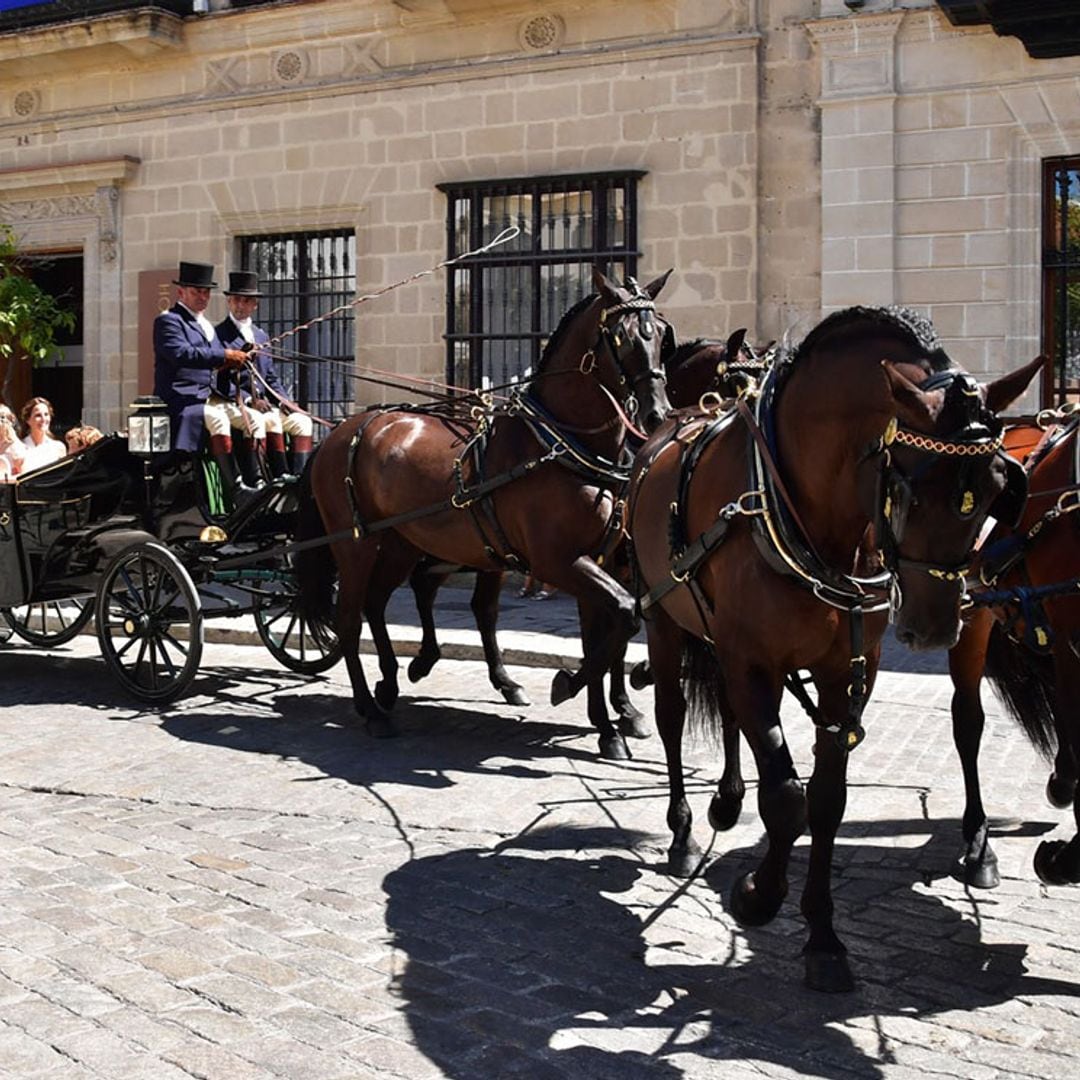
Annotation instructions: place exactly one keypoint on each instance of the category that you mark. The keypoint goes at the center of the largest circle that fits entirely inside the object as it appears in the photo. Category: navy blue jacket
(231, 338)
(184, 372)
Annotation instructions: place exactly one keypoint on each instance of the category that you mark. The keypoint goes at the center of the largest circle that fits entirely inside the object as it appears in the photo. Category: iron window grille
(502, 306)
(1061, 277)
(304, 276)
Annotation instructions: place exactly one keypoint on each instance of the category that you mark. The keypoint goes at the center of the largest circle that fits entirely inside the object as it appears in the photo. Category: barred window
(305, 276)
(502, 306)
(1061, 276)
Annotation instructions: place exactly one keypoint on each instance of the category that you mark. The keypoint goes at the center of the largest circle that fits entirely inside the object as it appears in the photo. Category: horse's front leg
(754, 698)
(827, 966)
(607, 618)
(485, 608)
(726, 804)
(631, 719)
(666, 640)
(977, 865)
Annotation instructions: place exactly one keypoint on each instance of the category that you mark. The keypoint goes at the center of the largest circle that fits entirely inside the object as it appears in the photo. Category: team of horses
(793, 504)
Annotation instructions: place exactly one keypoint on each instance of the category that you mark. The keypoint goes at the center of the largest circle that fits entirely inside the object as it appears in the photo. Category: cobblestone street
(243, 885)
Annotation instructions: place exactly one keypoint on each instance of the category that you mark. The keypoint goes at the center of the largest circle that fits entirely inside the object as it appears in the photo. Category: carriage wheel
(150, 622)
(51, 623)
(303, 645)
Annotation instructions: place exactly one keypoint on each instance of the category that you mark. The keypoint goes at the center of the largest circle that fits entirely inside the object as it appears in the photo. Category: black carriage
(141, 540)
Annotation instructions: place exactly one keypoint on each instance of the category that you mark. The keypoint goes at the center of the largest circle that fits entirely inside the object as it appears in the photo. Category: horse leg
(666, 641)
(977, 865)
(392, 565)
(485, 608)
(354, 573)
(631, 720)
(1057, 862)
(1061, 786)
(425, 585)
(756, 896)
(726, 804)
(594, 638)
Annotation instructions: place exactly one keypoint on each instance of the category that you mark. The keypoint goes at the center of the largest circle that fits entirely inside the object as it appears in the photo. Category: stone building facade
(791, 156)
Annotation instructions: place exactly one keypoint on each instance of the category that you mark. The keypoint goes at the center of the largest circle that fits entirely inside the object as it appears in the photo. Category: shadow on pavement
(538, 959)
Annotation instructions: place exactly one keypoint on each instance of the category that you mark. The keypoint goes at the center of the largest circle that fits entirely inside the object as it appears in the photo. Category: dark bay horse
(1024, 634)
(752, 533)
(693, 369)
(526, 485)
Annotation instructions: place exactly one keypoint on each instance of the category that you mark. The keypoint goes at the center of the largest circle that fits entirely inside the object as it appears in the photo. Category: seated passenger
(11, 450)
(260, 411)
(79, 438)
(187, 354)
(40, 446)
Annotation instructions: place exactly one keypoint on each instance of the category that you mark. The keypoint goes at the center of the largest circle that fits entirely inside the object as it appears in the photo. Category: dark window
(501, 306)
(308, 277)
(1061, 276)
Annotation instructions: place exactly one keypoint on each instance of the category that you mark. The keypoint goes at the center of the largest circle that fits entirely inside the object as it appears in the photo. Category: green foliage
(29, 317)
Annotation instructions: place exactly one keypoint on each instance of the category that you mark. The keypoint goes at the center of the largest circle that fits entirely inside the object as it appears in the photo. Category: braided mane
(902, 324)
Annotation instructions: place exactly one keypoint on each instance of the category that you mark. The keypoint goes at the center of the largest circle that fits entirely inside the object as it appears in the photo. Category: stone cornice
(44, 50)
(70, 177)
(858, 54)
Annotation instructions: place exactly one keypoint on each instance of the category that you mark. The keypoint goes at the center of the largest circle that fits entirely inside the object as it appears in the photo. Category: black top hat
(243, 283)
(196, 276)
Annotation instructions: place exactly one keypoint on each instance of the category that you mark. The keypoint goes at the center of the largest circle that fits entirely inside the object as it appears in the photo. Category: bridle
(896, 489)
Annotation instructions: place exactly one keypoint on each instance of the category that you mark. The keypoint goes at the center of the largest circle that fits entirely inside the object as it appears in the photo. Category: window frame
(1060, 260)
(468, 371)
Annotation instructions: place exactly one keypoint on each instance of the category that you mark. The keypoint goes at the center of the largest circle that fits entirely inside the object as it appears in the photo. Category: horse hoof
(979, 872)
(1060, 792)
(614, 748)
(748, 907)
(634, 725)
(381, 727)
(562, 687)
(1046, 863)
(514, 695)
(683, 862)
(420, 666)
(829, 973)
(641, 675)
(724, 812)
(386, 694)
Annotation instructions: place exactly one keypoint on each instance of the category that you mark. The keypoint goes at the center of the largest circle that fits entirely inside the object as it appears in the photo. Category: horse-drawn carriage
(140, 539)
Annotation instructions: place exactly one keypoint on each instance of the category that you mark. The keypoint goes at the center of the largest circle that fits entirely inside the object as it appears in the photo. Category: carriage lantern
(149, 431)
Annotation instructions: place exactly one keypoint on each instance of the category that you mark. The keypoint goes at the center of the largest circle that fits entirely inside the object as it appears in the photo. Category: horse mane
(685, 349)
(555, 341)
(902, 324)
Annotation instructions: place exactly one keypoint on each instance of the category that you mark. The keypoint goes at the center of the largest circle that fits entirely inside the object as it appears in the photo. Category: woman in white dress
(11, 449)
(40, 446)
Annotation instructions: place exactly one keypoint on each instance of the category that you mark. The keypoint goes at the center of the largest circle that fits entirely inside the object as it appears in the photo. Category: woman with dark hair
(40, 445)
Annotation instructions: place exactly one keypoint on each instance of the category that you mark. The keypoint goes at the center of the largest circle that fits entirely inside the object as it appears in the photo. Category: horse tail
(703, 685)
(313, 567)
(1024, 681)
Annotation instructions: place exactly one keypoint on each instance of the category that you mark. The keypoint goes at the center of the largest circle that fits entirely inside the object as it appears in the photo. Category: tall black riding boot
(250, 465)
(298, 459)
(278, 462)
(236, 491)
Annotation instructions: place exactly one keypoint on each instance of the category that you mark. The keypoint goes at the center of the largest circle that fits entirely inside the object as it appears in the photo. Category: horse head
(940, 473)
(628, 354)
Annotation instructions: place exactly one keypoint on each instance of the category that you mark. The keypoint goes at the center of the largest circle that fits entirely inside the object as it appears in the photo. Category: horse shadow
(536, 958)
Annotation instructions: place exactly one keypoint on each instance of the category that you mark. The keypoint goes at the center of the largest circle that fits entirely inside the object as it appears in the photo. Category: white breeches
(220, 415)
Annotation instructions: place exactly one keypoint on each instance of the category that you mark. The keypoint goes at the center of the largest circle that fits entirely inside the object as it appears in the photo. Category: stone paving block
(24, 1055)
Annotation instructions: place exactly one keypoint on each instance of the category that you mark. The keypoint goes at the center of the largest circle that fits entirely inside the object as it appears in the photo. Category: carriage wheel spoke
(166, 659)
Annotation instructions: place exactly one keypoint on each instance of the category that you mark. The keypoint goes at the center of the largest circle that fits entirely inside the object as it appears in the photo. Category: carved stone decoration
(360, 57)
(289, 67)
(221, 77)
(62, 206)
(108, 201)
(541, 33)
(26, 103)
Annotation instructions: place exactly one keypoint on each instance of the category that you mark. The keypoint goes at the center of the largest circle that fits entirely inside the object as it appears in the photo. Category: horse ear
(654, 287)
(735, 342)
(1001, 393)
(603, 284)
(913, 405)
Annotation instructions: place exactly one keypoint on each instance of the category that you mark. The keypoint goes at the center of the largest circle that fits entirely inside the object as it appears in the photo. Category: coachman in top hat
(187, 354)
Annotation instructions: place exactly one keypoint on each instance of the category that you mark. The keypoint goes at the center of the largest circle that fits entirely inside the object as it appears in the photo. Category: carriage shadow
(537, 959)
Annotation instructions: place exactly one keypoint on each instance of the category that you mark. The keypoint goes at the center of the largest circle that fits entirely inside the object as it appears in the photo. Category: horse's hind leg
(485, 607)
(425, 584)
(355, 562)
(1061, 787)
(1057, 862)
(631, 720)
(977, 865)
(595, 637)
(666, 642)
